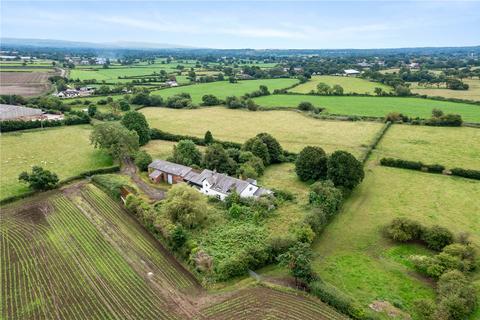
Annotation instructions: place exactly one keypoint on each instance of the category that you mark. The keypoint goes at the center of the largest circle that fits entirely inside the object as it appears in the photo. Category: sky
(248, 24)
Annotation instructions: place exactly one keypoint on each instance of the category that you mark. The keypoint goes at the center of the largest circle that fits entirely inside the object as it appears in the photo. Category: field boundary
(376, 141)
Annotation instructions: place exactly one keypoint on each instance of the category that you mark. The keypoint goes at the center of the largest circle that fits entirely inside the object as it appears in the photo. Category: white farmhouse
(208, 182)
(351, 72)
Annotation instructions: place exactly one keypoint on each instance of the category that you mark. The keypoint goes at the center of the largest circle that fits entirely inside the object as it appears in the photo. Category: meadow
(473, 92)
(223, 89)
(374, 106)
(353, 255)
(64, 150)
(292, 129)
(451, 147)
(349, 85)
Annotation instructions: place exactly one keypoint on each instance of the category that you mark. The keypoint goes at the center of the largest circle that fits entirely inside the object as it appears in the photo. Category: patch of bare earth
(25, 83)
(389, 309)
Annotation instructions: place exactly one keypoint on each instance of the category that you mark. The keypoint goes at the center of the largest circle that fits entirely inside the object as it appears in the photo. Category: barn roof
(170, 167)
(12, 112)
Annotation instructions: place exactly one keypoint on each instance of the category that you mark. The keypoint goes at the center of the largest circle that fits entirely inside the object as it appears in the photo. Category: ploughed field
(76, 254)
(24, 83)
(64, 150)
(293, 130)
(349, 85)
(373, 106)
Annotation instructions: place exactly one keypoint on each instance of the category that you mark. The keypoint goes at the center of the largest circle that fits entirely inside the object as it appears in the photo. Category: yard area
(349, 85)
(451, 147)
(292, 129)
(64, 150)
(353, 255)
(374, 106)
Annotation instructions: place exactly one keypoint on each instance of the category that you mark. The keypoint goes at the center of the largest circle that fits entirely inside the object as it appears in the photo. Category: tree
(311, 164)
(136, 121)
(115, 139)
(246, 171)
(337, 90)
(305, 106)
(402, 91)
(142, 160)
(323, 88)
(258, 148)
(264, 90)
(185, 205)
(124, 105)
(208, 139)
(275, 150)
(39, 179)
(297, 259)
(437, 113)
(216, 158)
(379, 91)
(210, 100)
(92, 110)
(233, 102)
(186, 152)
(344, 170)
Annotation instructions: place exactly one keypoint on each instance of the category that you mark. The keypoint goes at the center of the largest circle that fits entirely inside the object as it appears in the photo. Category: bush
(305, 106)
(39, 179)
(324, 194)
(179, 101)
(436, 237)
(403, 229)
(399, 163)
(311, 164)
(435, 168)
(466, 173)
(142, 160)
(233, 102)
(448, 120)
(210, 100)
(186, 152)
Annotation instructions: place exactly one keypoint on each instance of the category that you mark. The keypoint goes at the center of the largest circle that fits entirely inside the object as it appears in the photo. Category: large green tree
(344, 170)
(137, 122)
(216, 158)
(186, 152)
(39, 179)
(311, 164)
(297, 259)
(115, 139)
(185, 205)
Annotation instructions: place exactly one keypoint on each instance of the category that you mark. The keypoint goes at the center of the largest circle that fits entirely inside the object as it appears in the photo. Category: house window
(250, 189)
(218, 196)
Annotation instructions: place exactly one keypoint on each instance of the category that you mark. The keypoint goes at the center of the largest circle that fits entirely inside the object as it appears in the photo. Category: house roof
(222, 183)
(170, 167)
(261, 191)
(351, 71)
(10, 112)
(197, 178)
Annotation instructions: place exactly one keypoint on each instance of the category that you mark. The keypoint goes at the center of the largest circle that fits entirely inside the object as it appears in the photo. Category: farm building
(12, 112)
(208, 182)
(351, 72)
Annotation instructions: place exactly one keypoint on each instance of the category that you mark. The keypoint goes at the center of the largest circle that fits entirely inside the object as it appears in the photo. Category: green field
(451, 147)
(353, 255)
(64, 150)
(293, 130)
(58, 263)
(473, 92)
(374, 106)
(223, 89)
(349, 85)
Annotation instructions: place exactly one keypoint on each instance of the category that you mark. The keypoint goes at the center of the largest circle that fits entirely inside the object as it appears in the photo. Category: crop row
(128, 230)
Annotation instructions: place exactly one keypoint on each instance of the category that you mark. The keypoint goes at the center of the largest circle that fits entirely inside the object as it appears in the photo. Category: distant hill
(51, 43)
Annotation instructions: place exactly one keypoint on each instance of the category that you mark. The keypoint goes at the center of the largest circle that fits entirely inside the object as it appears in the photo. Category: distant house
(364, 64)
(208, 182)
(171, 83)
(72, 93)
(351, 72)
(414, 65)
(12, 112)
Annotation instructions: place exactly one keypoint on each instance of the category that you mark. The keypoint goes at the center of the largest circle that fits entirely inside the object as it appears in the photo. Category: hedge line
(15, 125)
(432, 168)
(375, 142)
(156, 134)
(61, 183)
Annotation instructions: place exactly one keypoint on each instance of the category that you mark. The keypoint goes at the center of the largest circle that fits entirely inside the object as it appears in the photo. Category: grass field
(353, 255)
(473, 92)
(349, 85)
(64, 150)
(451, 147)
(57, 262)
(161, 149)
(223, 89)
(374, 106)
(293, 130)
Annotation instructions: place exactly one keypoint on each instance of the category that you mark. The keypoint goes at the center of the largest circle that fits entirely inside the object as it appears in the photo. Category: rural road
(130, 169)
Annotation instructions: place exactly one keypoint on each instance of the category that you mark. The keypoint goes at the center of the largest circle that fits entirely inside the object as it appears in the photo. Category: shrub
(399, 163)
(466, 173)
(311, 164)
(208, 138)
(403, 229)
(142, 160)
(297, 259)
(344, 170)
(436, 237)
(179, 101)
(210, 100)
(39, 179)
(305, 106)
(185, 205)
(324, 194)
(283, 195)
(435, 168)
(233, 102)
(186, 152)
